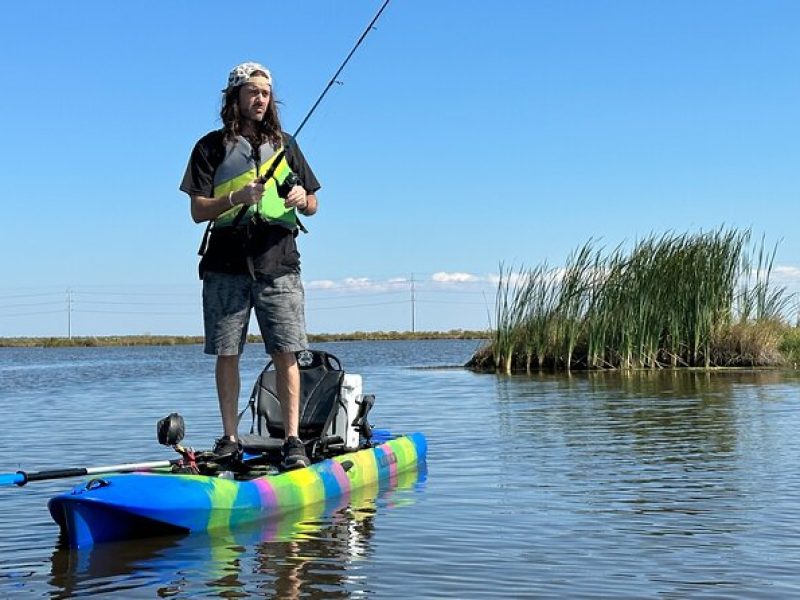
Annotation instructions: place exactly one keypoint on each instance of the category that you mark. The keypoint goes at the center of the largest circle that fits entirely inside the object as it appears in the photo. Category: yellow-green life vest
(242, 166)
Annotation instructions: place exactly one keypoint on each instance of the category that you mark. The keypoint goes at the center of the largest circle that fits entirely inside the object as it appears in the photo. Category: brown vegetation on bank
(171, 340)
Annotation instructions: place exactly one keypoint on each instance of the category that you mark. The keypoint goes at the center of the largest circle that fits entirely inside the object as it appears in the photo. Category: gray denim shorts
(278, 302)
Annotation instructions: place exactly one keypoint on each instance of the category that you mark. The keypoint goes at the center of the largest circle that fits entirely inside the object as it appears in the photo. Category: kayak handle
(96, 484)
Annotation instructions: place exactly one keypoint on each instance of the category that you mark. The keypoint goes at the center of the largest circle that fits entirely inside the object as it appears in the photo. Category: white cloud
(442, 277)
(393, 284)
(787, 273)
(781, 275)
(321, 284)
(348, 284)
(357, 282)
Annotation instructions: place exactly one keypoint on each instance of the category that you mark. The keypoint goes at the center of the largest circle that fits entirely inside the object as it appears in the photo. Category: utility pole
(413, 306)
(69, 314)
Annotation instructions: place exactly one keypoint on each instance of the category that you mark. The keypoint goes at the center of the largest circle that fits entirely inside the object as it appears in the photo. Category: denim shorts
(278, 302)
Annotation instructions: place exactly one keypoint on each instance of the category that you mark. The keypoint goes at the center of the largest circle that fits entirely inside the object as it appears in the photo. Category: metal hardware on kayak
(95, 484)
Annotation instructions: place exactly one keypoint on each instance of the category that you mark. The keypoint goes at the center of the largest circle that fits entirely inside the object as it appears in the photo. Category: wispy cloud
(443, 277)
(321, 284)
(787, 273)
(452, 280)
(787, 276)
(358, 282)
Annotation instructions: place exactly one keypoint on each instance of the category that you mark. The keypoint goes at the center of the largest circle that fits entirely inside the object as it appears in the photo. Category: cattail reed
(671, 301)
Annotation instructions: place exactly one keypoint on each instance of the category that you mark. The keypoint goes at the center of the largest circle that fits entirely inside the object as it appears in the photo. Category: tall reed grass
(672, 300)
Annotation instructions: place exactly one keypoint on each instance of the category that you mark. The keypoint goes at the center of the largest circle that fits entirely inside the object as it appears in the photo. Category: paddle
(170, 432)
(20, 478)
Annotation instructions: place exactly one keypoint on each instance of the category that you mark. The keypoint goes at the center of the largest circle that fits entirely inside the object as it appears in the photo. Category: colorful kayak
(135, 505)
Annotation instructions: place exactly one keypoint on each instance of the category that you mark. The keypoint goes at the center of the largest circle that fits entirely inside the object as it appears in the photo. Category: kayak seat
(323, 414)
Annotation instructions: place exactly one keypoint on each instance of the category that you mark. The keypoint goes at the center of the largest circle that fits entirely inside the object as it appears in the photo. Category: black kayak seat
(321, 378)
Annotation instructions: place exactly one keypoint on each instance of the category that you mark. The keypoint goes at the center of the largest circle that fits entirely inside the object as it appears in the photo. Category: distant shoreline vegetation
(697, 301)
(177, 340)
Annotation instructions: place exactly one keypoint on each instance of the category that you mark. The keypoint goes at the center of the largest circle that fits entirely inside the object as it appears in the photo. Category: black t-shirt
(271, 248)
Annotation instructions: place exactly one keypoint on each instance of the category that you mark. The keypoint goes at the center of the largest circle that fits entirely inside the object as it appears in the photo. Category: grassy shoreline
(672, 301)
(179, 340)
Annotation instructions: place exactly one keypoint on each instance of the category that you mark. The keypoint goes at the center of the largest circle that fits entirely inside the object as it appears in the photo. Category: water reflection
(662, 416)
(667, 453)
(314, 550)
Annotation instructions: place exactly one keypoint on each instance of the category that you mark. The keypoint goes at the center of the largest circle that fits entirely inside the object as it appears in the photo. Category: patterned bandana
(241, 74)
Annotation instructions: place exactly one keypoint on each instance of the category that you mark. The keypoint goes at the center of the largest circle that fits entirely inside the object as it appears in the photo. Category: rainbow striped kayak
(134, 505)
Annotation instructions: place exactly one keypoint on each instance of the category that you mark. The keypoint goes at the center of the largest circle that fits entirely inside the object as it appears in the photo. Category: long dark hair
(269, 127)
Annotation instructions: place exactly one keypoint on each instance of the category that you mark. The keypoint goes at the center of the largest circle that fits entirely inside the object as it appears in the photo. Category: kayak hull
(135, 505)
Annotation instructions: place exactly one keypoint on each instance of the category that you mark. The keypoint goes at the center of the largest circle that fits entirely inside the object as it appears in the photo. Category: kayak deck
(134, 505)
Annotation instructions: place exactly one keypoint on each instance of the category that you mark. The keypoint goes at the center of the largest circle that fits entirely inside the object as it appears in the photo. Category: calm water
(591, 486)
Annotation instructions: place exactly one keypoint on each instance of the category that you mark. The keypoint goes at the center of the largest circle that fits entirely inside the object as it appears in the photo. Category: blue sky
(465, 134)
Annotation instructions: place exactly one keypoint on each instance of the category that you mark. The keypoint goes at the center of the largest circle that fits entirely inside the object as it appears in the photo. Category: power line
(123, 303)
(28, 304)
(449, 302)
(138, 303)
(459, 292)
(362, 305)
(32, 314)
(129, 312)
(356, 286)
(313, 295)
(30, 295)
(169, 294)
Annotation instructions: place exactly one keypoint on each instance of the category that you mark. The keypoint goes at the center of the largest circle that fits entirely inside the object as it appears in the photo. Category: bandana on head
(242, 74)
(259, 82)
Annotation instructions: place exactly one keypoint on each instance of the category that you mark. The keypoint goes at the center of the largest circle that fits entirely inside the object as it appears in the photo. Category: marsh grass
(789, 346)
(671, 301)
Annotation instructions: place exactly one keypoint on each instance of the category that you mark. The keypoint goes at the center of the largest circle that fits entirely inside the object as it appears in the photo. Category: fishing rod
(334, 79)
(292, 179)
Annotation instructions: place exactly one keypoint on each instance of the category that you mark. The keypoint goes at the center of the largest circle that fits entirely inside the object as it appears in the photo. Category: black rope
(341, 67)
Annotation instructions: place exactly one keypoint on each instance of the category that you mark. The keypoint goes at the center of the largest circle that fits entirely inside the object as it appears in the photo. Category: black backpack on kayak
(333, 411)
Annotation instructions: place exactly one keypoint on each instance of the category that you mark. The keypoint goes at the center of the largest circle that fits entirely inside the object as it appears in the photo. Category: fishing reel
(287, 185)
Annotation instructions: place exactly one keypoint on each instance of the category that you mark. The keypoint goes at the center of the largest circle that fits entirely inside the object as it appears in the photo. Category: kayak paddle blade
(17, 478)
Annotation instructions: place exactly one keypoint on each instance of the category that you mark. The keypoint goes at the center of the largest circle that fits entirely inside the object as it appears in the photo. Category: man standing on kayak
(250, 180)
